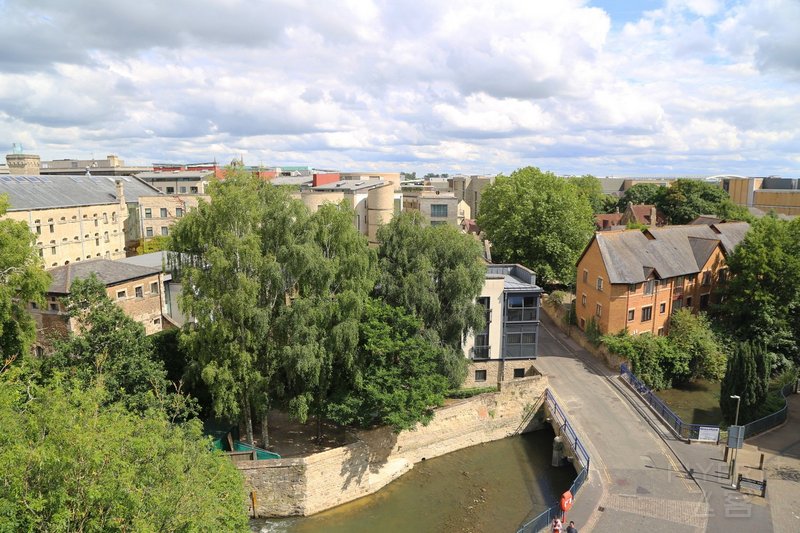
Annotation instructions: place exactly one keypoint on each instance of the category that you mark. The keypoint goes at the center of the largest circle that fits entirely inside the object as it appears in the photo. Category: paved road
(639, 480)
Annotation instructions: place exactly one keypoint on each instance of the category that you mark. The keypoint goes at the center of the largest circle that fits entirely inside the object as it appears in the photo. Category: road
(639, 479)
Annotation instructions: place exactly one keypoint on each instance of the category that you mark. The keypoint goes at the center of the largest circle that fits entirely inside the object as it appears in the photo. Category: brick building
(158, 213)
(635, 279)
(136, 289)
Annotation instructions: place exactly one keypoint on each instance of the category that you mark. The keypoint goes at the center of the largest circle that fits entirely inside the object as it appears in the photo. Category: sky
(602, 87)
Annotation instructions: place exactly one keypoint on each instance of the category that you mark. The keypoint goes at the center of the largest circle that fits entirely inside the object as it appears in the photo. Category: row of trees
(294, 309)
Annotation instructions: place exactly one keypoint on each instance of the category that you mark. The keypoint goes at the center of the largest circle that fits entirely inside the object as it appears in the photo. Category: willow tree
(230, 258)
(319, 330)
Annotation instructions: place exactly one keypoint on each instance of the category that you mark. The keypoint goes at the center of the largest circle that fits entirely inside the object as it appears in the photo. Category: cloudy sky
(607, 87)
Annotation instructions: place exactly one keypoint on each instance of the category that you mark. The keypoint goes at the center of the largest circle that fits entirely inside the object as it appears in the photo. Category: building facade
(781, 195)
(181, 182)
(158, 213)
(633, 280)
(508, 344)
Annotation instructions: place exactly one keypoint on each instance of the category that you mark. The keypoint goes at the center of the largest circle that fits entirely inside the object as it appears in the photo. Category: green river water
(490, 487)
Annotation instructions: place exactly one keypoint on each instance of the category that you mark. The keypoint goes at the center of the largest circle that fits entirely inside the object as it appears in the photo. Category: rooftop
(109, 272)
(172, 174)
(45, 192)
(350, 185)
(516, 277)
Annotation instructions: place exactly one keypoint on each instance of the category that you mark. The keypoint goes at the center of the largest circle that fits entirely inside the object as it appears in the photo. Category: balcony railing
(481, 352)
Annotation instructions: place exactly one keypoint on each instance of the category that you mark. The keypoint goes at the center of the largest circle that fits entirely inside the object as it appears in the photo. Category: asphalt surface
(639, 477)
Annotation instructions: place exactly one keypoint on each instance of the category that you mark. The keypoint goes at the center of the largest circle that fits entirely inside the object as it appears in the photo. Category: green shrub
(469, 393)
(653, 359)
(593, 332)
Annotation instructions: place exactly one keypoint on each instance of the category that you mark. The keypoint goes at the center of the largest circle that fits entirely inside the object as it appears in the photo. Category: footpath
(642, 477)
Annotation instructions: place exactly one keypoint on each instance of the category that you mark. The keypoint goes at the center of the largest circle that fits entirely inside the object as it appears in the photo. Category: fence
(770, 421)
(679, 427)
(545, 518)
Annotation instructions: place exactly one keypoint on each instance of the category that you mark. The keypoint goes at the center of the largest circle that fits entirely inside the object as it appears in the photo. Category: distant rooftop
(109, 272)
(516, 277)
(172, 174)
(43, 192)
(350, 185)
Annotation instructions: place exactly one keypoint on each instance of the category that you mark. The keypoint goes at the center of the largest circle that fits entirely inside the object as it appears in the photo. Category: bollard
(739, 482)
(761, 463)
(727, 449)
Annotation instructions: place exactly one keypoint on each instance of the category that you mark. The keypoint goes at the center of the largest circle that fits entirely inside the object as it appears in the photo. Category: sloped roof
(46, 192)
(630, 256)
(109, 272)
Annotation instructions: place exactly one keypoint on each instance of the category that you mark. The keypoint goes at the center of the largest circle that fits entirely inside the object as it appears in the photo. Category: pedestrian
(557, 525)
(571, 527)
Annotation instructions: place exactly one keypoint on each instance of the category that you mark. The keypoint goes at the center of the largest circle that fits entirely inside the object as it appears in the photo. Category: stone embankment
(306, 485)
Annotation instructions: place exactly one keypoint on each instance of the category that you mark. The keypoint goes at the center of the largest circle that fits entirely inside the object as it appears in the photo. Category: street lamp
(735, 450)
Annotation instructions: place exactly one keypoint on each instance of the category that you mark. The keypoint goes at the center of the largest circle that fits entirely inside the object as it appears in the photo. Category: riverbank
(306, 485)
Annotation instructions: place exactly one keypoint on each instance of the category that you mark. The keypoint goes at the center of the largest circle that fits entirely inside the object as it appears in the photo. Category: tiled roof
(45, 192)
(670, 251)
(109, 272)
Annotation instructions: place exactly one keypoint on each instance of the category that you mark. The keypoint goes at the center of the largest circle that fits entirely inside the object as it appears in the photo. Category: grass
(695, 403)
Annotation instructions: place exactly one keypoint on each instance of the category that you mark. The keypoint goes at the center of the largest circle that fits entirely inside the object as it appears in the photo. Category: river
(491, 487)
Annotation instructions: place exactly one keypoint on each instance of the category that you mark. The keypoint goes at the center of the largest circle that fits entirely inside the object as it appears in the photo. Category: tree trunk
(265, 430)
(248, 421)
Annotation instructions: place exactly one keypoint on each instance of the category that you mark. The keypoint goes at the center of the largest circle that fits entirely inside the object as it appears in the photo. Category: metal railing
(679, 427)
(545, 518)
(770, 421)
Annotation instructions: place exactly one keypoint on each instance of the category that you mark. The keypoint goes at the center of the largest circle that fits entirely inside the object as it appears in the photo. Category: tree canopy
(22, 280)
(539, 220)
(592, 189)
(760, 302)
(692, 335)
(72, 461)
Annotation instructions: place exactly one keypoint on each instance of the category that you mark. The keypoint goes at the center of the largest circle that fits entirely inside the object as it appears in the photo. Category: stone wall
(307, 485)
(497, 370)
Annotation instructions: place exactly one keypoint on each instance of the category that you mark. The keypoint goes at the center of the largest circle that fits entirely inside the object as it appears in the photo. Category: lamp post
(735, 450)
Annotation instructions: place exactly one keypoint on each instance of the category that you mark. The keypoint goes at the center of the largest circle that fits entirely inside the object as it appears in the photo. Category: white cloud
(418, 85)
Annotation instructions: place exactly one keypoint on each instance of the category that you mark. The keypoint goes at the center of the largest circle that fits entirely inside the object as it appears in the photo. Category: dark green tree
(691, 334)
(686, 199)
(641, 193)
(741, 379)
(399, 379)
(537, 219)
(22, 280)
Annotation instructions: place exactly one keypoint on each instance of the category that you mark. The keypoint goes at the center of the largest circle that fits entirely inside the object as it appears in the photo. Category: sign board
(566, 501)
(708, 434)
(735, 437)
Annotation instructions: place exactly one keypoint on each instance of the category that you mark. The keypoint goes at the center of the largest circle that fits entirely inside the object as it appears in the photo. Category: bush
(593, 332)
(469, 393)
(653, 359)
(556, 299)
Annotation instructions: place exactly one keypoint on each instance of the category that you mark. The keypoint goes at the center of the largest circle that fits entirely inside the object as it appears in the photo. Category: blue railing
(679, 427)
(545, 518)
(770, 421)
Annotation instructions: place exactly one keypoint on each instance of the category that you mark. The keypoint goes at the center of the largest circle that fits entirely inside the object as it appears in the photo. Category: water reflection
(489, 487)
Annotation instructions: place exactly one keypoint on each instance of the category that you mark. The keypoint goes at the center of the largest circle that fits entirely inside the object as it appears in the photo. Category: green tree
(686, 199)
(760, 302)
(231, 259)
(319, 330)
(537, 219)
(592, 189)
(692, 335)
(73, 462)
(110, 343)
(437, 273)
(399, 381)
(641, 193)
(653, 359)
(741, 379)
(22, 280)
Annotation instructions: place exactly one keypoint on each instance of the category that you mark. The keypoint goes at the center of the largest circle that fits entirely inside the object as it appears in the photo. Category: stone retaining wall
(600, 353)
(308, 485)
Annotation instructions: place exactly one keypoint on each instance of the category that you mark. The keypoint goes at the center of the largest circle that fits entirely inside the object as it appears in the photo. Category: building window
(52, 228)
(598, 310)
(157, 321)
(164, 212)
(439, 210)
(519, 373)
(521, 308)
(164, 231)
(38, 227)
(631, 314)
(34, 306)
(660, 332)
(481, 348)
(139, 291)
(193, 190)
(148, 231)
(148, 213)
(170, 190)
(662, 308)
(105, 218)
(154, 287)
(182, 190)
(178, 212)
(647, 313)
(105, 237)
(704, 301)
(599, 284)
(586, 276)
(121, 294)
(480, 375)
(649, 286)
(706, 278)
(53, 306)
(583, 300)
(41, 252)
(52, 250)
(108, 254)
(632, 287)
(723, 275)
(689, 301)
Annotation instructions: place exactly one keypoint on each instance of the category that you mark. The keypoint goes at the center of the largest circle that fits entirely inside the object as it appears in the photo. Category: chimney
(653, 219)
